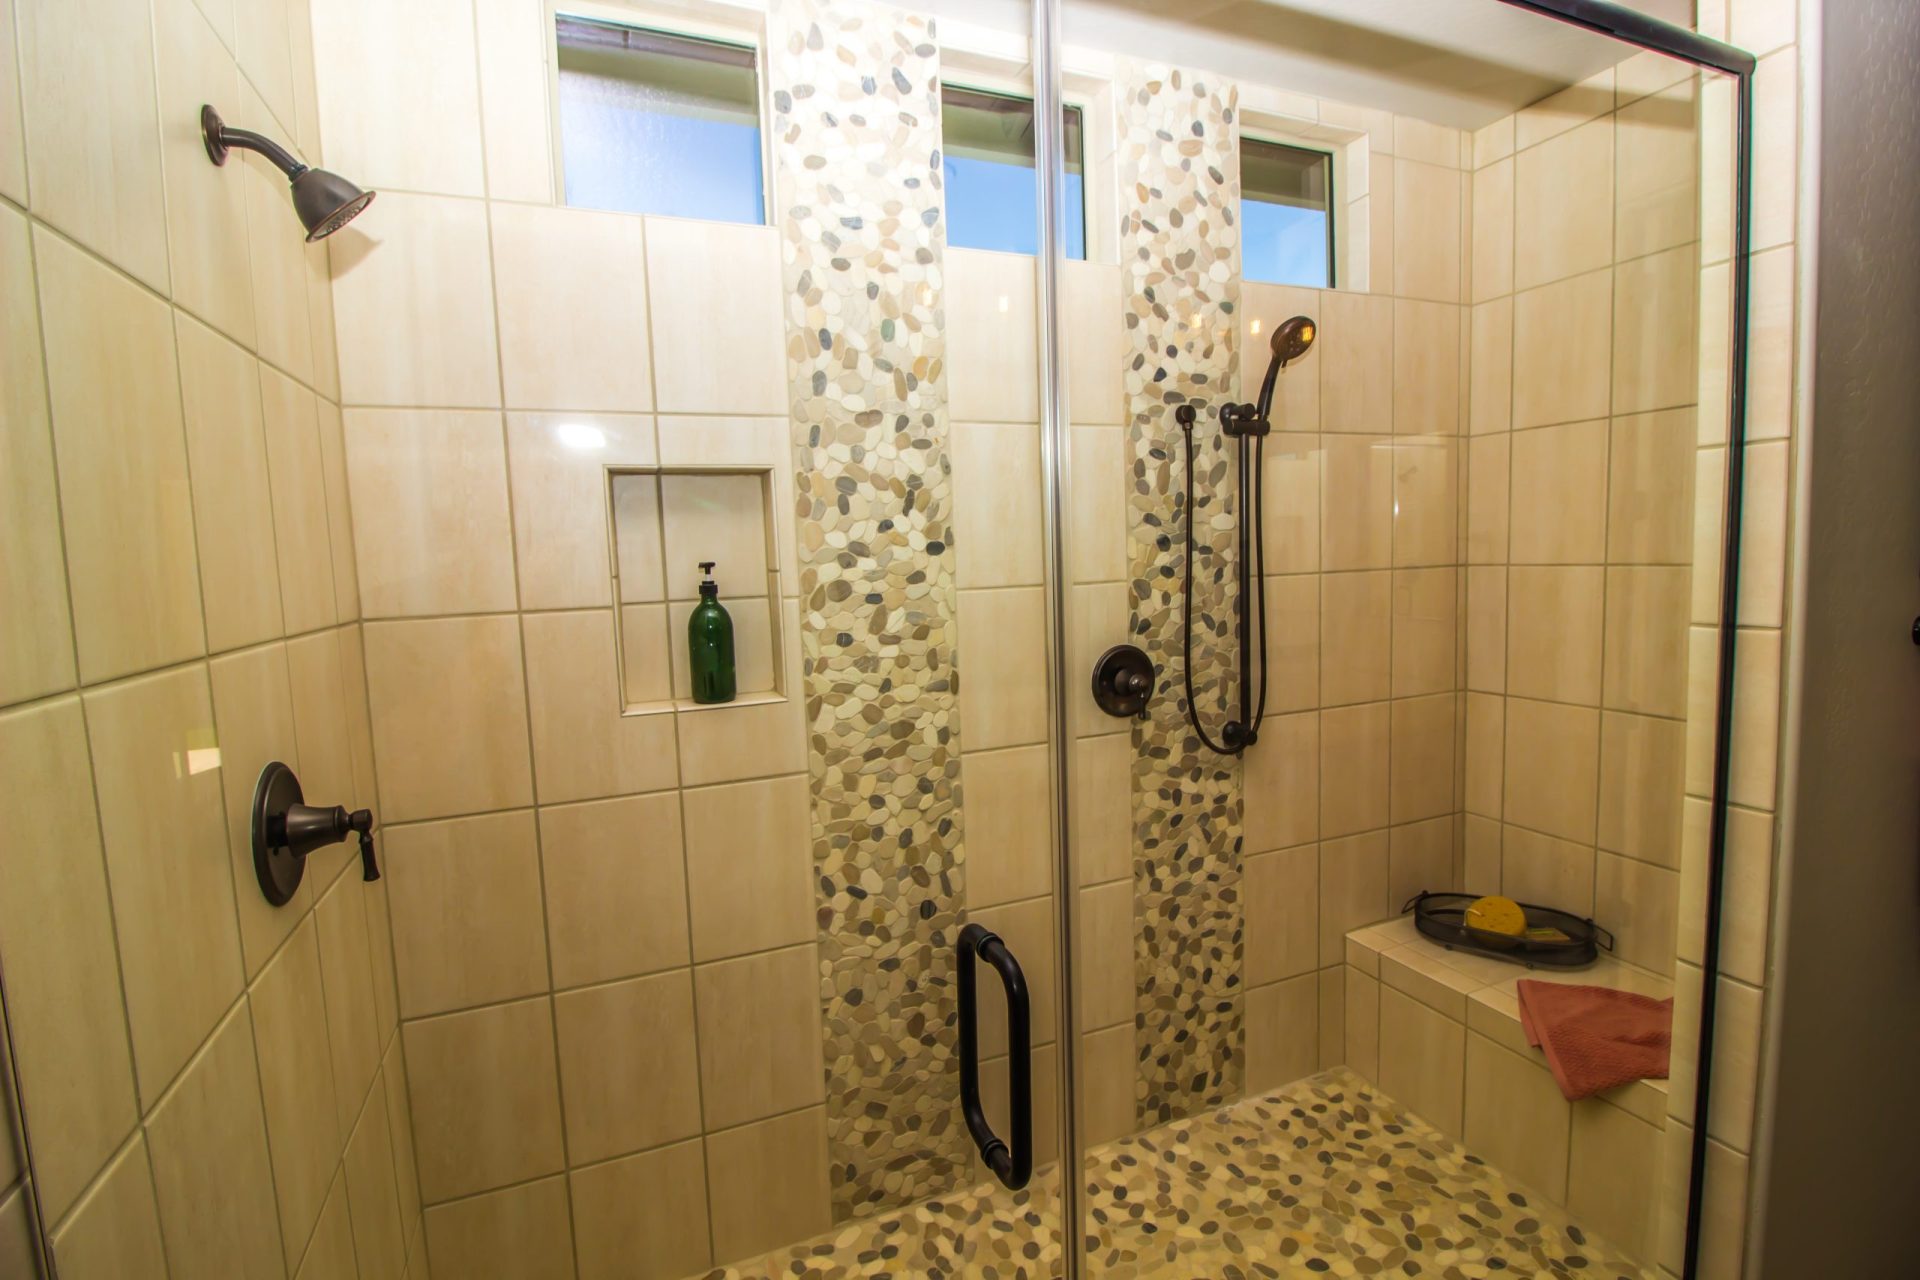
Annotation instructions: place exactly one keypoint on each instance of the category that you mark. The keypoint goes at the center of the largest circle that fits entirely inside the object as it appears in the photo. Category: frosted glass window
(652, 122)
(1286, 214)
(993, 195)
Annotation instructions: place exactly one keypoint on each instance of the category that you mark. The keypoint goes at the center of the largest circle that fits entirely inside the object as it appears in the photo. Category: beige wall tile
(1001, 657)
(1487, 499)
(1333, 1016)
(1554, 621)
(1642, 781)
(253, 717)
(287, 1002)
(1426, 366)
(1356, 502)
(330, 1252)
(1611, 1180)
(264, 47)
(1283, 1032)
(1098, 539)
(1736, 1056)
(1356, 371)
(1563, 205)
(1091, 294)
(572, 288)
(413, 296)
(1516, 1118)
(121, 450)
(13, 144)
(768, 1184)
(1490, 367)
(759, 1035)
(1281, 891)
(56, 938)
(608, 865)
(1485, 763)
(1424, 631)
(1763, 535)
(583, 747)
(1007, 831)
(1640, 901)
(557, 467)
(36, 637)
(1027, 929)
(1540, 869)
(1493, 230)
(1103, 957)
(1553, 756)
(1558, 112)
(513, 101)
(406, 1173)
(485, 1098)
(1422, 758)
(301, 533)
(1281, 783)
(522, 1232)
(1293, 642)
(1290, 488)
(1559, 510)
(1106, 1080)
(1101, 797)
(613, 1036)
(721, 346)
(208, 204)
(449, 716)
(1650, 369)
(465, 902)
(155, 763)
(1419, 859)
(647, 672)
(399, 103)
(749, 866)
(1486, 629)
(1775, 160)
(725, 744)
(1353, 768)
(1561, 346)
(1353, 890)
(114, 1233)
(214, 1185)
(1481, 863)
(1771, 361)
(1756, 715)
(346, 968)
(1356, 624)
(317, 679)
(991, 374)
(1646, 640)
(1426, 494)
(1423, 1060)
(233, 513)
(1657, 177)
(1650, 489)
(1362, 1023)
(643, 1217)
(432, 532)
(996, 504)
(277, 255)
(1426, 229)
(379, 1236)
(1098, 617)
(1748, 889)
(87, 86)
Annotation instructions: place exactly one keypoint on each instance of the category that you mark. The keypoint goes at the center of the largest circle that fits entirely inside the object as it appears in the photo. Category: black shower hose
(1252, 491)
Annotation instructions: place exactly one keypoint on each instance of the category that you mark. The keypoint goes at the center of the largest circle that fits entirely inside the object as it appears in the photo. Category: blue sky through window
(1282, 244)
(993, 204)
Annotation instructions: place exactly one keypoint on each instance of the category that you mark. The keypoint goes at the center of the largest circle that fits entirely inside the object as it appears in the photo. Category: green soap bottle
(710, 643)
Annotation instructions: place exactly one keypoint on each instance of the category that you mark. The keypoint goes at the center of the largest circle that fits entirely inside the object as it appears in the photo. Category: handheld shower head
(325, 201)
(1292, 338)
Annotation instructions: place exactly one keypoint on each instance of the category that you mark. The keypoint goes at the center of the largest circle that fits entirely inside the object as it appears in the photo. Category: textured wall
(1180, 254)
(857, 172)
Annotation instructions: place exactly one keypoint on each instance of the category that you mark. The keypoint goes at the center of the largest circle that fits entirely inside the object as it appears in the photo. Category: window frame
(713, 23)
(1329, 155)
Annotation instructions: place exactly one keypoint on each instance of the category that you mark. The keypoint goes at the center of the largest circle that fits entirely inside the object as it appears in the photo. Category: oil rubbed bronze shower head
(325, 201)
(1292, 338)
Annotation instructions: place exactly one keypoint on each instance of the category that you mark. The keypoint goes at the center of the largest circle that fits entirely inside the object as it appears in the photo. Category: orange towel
(1596, 1038)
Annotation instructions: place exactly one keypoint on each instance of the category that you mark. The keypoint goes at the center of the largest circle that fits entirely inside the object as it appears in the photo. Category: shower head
(325, 201)
(1292, 338)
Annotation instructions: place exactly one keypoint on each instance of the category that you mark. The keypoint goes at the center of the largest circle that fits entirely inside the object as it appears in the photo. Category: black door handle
(1013, 1165)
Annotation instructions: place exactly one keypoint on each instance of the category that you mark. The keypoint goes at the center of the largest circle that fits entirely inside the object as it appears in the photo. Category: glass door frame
(1617, 22)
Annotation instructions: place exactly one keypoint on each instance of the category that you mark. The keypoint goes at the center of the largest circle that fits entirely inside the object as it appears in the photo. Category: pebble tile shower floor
(1328, 1176)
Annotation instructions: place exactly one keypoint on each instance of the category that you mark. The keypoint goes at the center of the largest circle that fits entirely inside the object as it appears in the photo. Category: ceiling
(1458, 62)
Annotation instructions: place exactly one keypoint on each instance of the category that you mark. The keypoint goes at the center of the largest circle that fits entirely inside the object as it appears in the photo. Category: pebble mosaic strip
(1327, 1177)
(855, 91)
(1180, 258)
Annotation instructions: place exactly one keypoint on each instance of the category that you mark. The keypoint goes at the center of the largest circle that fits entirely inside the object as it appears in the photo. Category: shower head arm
(221, 137)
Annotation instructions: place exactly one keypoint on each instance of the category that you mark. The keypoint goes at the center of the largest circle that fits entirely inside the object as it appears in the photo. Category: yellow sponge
(1495, 914)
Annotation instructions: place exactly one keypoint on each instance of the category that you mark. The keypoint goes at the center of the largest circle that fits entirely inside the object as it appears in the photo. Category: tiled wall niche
(666, 521)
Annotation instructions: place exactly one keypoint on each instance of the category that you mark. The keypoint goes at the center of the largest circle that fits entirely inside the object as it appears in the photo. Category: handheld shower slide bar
(1247, 426)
